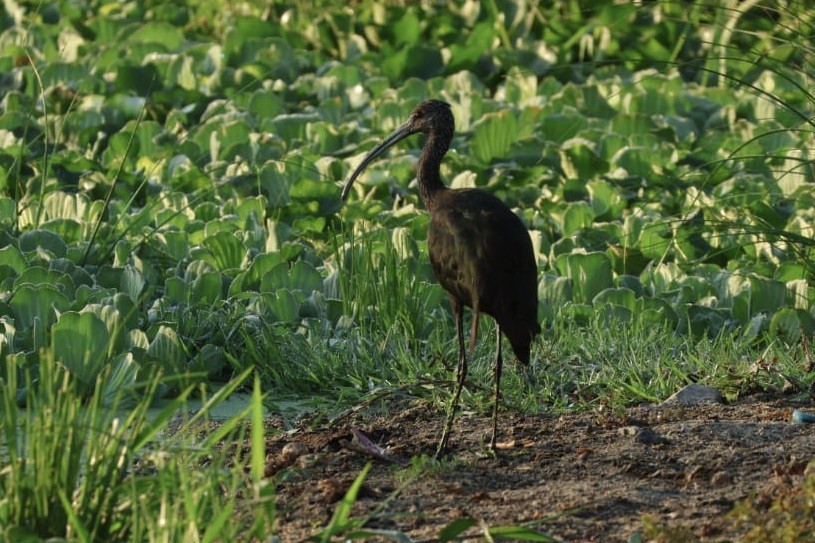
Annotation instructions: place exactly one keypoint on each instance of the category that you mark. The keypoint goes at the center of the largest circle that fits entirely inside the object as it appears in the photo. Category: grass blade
(340, 521)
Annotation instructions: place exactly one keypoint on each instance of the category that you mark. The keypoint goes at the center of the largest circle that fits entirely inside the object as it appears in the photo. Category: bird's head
(429, 117)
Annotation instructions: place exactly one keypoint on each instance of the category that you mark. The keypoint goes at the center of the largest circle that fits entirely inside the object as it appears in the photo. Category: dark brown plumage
(480, 251)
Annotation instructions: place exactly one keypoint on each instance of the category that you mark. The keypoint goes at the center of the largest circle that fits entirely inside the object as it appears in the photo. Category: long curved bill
(396, 136)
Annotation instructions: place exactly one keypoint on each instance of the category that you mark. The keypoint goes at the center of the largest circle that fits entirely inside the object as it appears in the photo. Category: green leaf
(37, 303)
(260, 266)
(636, 161)
(631, 125)
(419, 60)
(626, 260)
(80, 342)
(82, 533)
(560, 127)
(291, 127)
(168, 350)
(790, 324)
(275, 184)
(7, 276)
(209, 360)
(119, 315)
(135, 79)
(283, 305)
(175, 290)
(206, 288)
(46, 240)
(176, 244)
(246, 28)
(618, 296)
(218, 523)
(579, 159)
(705, 320)
(519, 533)
(78, 275)
(655, 239)
(554, 293)
(694, 288)
(303, 276)
(170, 36)
(132, 282)
(612, 314)
(606, 200)
(340, 520)
(578, 216)
(61, 205)
(258, 449)
(227, 250)
(265, 104)
(276, 278)
(37, 275)
(122, 379)
(12, 257)
(494, 134)
(68, 229)
(466, 55)
(309, 224)
(232, 139)
(755, 295)
(590, 273)
(456, 528)
(251, 211)
(406, 30)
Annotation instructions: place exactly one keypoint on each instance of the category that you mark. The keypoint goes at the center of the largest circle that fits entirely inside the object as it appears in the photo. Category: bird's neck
(428, 176)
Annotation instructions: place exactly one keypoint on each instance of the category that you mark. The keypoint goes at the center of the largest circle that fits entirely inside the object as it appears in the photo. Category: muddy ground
(591, 476)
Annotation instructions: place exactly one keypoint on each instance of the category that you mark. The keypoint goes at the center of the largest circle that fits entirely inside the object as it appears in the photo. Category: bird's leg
(461, 375)
(499, 363)
(474, 328)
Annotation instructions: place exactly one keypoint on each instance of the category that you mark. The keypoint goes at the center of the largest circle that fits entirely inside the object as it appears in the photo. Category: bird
(480, 252)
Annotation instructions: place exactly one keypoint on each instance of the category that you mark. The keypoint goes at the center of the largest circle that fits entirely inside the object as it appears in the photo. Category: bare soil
(592, 476)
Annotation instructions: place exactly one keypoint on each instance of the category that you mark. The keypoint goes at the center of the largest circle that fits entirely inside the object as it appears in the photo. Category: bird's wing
(480, 250)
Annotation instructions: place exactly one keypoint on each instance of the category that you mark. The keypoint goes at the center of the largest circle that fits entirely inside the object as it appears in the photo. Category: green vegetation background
(168, 178)
(169, 193)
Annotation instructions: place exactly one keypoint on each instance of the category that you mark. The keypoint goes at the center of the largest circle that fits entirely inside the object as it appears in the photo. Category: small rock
(628, 430)
(307, 461)
(642, 435)
(646, 436)
(331, 489)
(291, 452)
(695, 394)
(803, 416)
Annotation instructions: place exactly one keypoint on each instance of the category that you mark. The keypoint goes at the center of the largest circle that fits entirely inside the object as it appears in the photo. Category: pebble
(642, 435)
(646, 436)
(292, 451)
(802, 416)
(308, 461)
(695, 394)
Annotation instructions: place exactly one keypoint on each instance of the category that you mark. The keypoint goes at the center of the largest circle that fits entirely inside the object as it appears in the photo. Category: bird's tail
(520, 337)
